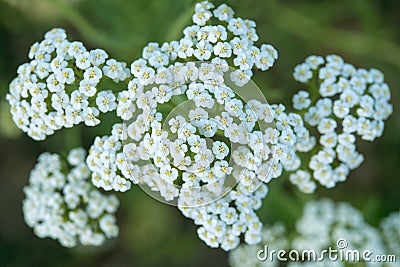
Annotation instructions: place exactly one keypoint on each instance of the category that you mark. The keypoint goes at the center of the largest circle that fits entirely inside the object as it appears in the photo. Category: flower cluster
(231, 42)
(342, 102)
(216, 143)
(222, 222)
(391, 231)
(274, 236)
(108, 164)
(322, 224)
(198, 134)
(61, 204)
(59, 86)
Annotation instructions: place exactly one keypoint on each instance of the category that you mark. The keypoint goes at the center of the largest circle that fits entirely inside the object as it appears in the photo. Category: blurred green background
(365, 32)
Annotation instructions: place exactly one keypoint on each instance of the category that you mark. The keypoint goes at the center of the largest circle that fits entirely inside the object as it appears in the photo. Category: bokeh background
(365, 32)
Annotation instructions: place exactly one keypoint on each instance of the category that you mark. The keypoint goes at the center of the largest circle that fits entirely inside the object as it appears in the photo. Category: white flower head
(52, 83)
(61, 203)
(341, 105)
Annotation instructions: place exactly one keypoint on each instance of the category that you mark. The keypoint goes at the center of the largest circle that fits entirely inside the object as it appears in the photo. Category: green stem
(175, 31)
(90, 32)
